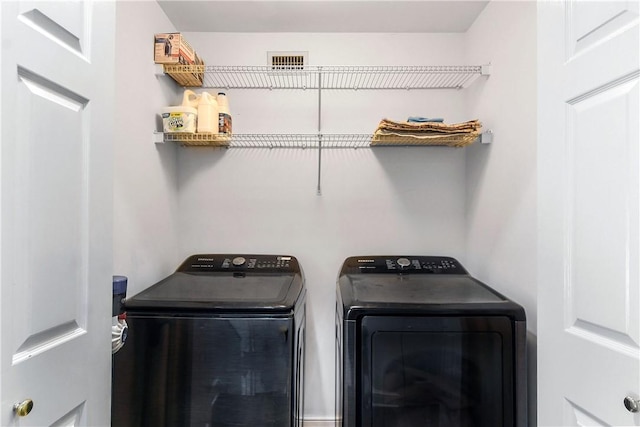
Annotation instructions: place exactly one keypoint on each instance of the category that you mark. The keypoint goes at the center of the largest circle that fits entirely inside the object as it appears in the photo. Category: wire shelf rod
(334, 77)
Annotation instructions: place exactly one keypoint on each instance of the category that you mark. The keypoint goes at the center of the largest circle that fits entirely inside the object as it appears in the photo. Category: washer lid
(220, 291)
(226, 282)
(398, 289)
(417, 286)
(422, 295)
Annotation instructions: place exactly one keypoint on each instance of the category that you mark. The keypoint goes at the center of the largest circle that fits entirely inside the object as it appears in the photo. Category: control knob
(238, 261)
(403, 262)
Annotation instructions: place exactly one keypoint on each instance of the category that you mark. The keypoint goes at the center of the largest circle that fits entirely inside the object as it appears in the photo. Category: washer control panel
(239, 263)
(402, 265)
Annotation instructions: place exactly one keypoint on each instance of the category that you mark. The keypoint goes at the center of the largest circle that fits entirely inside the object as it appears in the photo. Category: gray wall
(501, 198)
(145, 187)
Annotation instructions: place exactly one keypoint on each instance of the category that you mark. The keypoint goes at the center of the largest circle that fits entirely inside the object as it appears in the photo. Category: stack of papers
(390, 132)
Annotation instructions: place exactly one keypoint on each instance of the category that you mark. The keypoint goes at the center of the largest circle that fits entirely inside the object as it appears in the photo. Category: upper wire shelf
(327, 77)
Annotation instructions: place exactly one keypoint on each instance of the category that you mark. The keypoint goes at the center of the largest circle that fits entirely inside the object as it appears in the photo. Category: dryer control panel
(204, 263)
(402, 264)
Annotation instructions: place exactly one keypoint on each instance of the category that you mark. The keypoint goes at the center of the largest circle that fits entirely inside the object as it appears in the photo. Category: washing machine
(419, 342)
(218, 343)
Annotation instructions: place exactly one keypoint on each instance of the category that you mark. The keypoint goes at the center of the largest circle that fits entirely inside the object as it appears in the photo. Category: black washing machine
(219, 343)
(419, 342)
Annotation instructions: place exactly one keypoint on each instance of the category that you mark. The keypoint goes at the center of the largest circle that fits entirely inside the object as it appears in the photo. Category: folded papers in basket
(390, 132)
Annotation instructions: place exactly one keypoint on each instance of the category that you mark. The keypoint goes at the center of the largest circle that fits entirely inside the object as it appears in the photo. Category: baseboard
(319, 423)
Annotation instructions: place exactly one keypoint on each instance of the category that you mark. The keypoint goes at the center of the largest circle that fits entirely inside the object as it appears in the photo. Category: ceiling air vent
(287, 60)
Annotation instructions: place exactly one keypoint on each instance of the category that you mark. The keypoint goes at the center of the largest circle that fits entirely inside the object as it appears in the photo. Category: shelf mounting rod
(319, 131)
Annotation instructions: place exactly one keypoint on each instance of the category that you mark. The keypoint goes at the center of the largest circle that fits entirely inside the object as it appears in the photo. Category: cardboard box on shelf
(172, 48)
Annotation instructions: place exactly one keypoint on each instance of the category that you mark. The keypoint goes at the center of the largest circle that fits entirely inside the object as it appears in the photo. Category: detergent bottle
(207, 114)
(190, 99)
(224, 115)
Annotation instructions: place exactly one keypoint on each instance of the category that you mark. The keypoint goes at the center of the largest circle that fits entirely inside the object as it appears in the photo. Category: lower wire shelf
(303, 141)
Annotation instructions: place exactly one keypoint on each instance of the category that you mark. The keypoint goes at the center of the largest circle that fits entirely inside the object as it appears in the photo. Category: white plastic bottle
(207, 114)
(190, 99)
(224, 115)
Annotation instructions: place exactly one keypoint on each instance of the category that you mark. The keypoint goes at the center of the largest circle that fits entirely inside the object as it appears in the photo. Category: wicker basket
(186, 75)
(449, 140)
(198, 139)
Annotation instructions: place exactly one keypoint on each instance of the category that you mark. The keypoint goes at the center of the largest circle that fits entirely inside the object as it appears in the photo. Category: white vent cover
(287, 60)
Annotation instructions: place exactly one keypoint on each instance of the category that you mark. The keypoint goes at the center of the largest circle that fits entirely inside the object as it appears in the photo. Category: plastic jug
(224, 115)
(207, 114)
(190, 99)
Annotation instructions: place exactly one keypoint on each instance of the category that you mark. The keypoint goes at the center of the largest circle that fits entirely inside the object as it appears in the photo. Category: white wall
(501, 178)
(145, 187)
(374, 201)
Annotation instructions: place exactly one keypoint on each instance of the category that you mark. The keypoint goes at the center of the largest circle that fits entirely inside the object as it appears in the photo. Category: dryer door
(437, 371)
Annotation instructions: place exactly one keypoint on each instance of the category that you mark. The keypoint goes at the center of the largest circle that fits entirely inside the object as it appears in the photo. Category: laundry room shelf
(318, 79)
(303, 141)
(328, 77)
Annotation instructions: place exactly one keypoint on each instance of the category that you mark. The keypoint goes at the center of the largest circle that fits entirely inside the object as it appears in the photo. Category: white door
(57, 84)
(589, 213)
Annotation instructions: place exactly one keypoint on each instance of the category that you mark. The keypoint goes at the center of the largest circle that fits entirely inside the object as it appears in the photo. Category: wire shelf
(300, 140)
(297, 141)
(328, 77)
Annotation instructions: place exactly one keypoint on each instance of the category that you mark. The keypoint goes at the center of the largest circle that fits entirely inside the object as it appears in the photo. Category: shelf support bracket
(158, 70)
(486, 137)
(158, 137)
(319, 191)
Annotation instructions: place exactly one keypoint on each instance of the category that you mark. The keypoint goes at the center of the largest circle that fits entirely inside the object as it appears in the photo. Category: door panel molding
(72, 418)
(584, 34)
(51, 29)
(599, 335)
(70, 30)
(578, 416)
(47, 89)
(46, 340)
(607, 87)
(600, 184)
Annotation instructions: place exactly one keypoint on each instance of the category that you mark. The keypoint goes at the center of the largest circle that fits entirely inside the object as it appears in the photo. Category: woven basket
(186, 75)
(455, 140)
(199, 139)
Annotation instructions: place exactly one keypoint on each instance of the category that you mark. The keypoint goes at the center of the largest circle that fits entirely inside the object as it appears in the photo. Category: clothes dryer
(419, 342)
